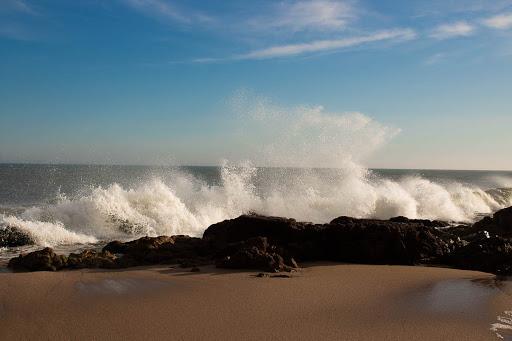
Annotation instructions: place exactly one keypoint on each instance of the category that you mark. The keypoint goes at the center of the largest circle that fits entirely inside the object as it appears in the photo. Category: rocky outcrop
(273, 244)
(398, 241)
(385, 242)
(11, 236)
(255, 253)
(42, 260)
(158, 250)
(92, 259)
(499, 224)
(489, 254)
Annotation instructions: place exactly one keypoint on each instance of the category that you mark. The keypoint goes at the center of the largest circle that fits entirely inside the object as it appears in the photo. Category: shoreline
(321, 300)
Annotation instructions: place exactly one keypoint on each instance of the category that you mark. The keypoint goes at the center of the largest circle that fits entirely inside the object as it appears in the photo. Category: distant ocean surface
(70, 207)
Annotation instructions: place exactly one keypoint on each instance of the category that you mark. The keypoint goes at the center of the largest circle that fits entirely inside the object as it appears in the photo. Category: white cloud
(326, 45)
(452, 30)
(500, 22)
(165, 10)
(307, 15)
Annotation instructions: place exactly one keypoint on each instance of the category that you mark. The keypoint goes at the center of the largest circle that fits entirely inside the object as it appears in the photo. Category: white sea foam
(46, 233)
(187, 205)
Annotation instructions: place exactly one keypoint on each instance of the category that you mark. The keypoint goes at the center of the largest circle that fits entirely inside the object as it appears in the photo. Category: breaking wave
(305, 138)
(185, 204)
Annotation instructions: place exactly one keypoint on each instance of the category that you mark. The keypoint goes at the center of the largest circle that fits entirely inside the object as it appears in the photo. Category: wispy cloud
(327, 45)
(167, 11)
(500, 22)
(291, 50)
(453, 30)
(306, 15)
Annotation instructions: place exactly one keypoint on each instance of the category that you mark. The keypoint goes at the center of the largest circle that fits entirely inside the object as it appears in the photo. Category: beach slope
(320, 301)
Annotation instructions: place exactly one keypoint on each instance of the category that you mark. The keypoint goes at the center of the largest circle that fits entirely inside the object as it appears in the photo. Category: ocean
(71, 207)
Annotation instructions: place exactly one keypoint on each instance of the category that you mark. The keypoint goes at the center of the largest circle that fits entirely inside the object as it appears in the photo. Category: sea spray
(185, 204)
(305, 138)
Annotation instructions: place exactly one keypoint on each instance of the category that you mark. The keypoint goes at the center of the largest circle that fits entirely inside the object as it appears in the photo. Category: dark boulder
(254, 253)
(302, 240)
(92, 259)
(503, 218)
(41, 260)
(384, 242)
(424, 222)
(157, 250)
(276, 229)
(490, 254)
(11, 236)
(499, 224)
(396, 241)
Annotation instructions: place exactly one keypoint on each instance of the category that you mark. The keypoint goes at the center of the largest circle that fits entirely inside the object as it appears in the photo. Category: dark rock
(278, 230)
(499, 224)
(254, 253)
(116, 247)
(11, 236)
(273, 244)
(384, 242)
(92, 259)
(424, 222)
(503, 218)
(399, 241)
(489, 254)
(195, 269)
(157, 250)
(300, 240)
(41, 260)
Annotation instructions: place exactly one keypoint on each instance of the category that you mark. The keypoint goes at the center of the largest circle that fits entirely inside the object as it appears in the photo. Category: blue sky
(153, 81)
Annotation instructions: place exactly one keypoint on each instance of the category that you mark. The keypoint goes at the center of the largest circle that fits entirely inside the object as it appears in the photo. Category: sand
(320, 302)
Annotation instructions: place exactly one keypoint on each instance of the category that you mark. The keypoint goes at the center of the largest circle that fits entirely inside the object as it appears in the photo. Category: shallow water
(468, 299)
(123, 286)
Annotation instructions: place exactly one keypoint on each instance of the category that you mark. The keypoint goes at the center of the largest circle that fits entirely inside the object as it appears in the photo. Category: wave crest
(185, 204)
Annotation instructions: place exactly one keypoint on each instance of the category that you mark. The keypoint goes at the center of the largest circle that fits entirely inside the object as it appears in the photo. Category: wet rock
(254, 253)
(503, 218)
(424, 222)
(278, 230)
(499, 224)
(92, 259)
(11, 236)
(490, 254)
(397, 241)
(157, 250)
(373, 241)
(272, 244)
(41, 260)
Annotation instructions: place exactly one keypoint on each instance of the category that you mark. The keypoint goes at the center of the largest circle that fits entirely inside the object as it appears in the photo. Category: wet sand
(337, 302)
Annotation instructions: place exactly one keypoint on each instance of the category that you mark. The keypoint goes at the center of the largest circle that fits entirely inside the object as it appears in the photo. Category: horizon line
(257, 166)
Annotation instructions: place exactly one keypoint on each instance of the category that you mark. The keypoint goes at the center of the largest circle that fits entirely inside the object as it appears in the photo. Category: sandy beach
(327, 301)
